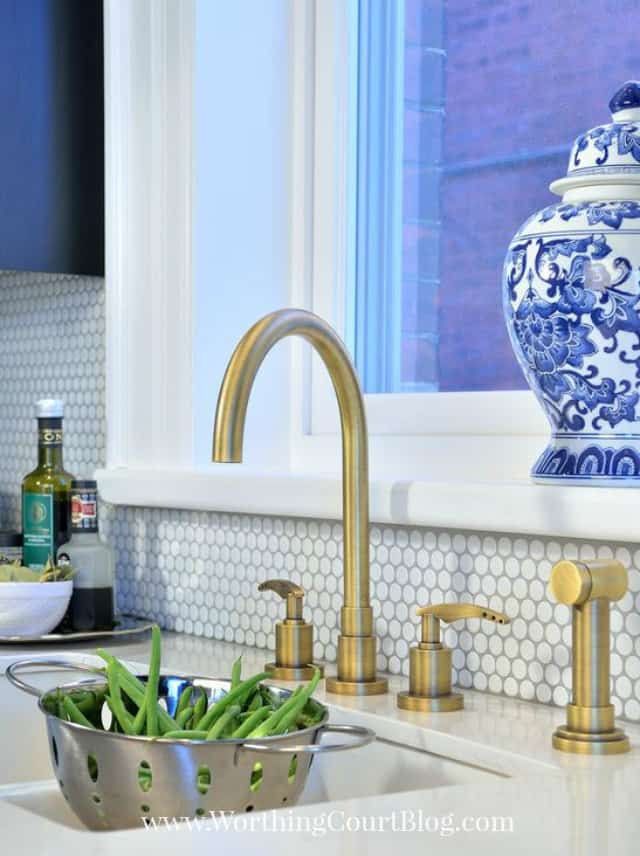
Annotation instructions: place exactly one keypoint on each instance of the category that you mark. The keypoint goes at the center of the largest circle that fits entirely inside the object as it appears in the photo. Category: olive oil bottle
(46, 513)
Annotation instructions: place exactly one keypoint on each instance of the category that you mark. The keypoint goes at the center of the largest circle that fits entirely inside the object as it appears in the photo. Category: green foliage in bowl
(14, 572)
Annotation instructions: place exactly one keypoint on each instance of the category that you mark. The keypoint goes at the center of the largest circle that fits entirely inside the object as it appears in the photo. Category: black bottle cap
(84, 484)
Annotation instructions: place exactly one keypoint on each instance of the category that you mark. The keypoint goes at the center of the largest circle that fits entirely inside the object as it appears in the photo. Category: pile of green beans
(248, 710)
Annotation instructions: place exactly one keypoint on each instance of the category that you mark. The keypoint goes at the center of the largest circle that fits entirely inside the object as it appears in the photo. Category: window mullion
(378, 309)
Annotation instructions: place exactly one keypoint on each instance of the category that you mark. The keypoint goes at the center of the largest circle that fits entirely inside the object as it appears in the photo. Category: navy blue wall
(52, 136)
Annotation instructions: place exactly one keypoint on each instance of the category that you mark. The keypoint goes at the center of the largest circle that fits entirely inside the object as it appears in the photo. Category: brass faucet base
(427, 704)
(378, 686)
(582, 743)
(285, 673)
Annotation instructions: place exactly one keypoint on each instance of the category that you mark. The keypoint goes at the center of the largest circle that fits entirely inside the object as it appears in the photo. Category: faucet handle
(294, 636)
(435, 613)
(288, 591)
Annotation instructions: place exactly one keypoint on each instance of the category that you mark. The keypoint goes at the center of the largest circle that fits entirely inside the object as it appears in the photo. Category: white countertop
(556, 803)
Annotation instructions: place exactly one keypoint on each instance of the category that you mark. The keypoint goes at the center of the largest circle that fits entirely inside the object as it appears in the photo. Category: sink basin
(390, 767)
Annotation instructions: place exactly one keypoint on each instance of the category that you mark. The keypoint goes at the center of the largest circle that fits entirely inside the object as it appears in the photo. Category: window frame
(427, 466)
(330, 160)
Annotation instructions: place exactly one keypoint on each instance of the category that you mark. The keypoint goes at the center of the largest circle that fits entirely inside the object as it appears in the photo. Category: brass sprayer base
(582, 743)
(426, 704)
(377, 686)
(285, 673)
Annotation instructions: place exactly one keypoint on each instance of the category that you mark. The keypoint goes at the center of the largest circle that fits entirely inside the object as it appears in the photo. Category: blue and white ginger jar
(571, 292)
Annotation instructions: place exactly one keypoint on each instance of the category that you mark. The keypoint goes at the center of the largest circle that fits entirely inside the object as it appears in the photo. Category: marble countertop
(551, 803)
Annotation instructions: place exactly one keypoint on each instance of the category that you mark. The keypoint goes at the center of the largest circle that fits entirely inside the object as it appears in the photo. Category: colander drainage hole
(293, 768)
(203, 779)
(145, 809)
(92, 767)
(54, 747)
(249, 808)
(106, 717)
(199, 812)
(96, 798)
(256, 778)
(145, 776)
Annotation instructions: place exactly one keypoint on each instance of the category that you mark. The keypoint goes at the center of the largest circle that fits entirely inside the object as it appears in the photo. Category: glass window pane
(493, 95)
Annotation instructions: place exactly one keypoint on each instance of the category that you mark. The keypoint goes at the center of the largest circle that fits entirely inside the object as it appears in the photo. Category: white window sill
(517, 506)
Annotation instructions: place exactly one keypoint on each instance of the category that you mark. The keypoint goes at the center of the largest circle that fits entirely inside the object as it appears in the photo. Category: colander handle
(362, 735)
(20, 665)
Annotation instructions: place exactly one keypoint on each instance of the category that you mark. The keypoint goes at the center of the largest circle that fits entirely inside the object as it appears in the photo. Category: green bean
(200, 707)
(124, 718)
(184, 716)
(247, 710)
(151, 694)
(222, 721)
(285, 716)
(74, 714)
(236, 672)
(256, 702)
(232, 697)
(280, 710)
(136, 690)
(90, 704)
(311, 714)
(183, 701)
(275, 715)
(253, 720)
(185, 735)
(289, 717)
(270, 698)
(140, 718)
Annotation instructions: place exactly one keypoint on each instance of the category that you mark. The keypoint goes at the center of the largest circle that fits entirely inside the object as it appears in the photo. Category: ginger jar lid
(608, 153)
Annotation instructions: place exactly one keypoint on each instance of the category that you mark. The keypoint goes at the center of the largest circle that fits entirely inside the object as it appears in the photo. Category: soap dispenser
(430, 660)
(294, 636)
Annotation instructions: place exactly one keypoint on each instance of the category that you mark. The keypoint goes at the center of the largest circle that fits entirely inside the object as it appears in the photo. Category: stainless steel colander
(99, 772)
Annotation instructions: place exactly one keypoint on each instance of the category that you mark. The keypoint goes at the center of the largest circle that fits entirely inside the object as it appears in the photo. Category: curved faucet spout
(356, 645)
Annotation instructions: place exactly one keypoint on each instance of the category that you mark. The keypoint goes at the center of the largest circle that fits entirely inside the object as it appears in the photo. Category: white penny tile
(198, 572)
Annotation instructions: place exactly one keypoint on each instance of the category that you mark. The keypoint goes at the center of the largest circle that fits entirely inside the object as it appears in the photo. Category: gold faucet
(589, 588)
(356, 643)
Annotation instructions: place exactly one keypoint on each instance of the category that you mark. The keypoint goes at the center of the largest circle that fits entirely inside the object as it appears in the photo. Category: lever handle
(288, 591)
(448, 612)
(454, 611)
(285, 588)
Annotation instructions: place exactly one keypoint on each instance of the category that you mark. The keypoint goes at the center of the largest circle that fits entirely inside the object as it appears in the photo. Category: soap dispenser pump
(294, 636)
(430, 660)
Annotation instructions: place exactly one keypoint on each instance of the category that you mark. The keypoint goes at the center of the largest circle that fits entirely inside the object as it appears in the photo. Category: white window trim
(441, 478)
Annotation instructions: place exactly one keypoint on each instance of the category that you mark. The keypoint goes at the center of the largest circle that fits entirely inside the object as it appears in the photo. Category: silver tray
(128, 625)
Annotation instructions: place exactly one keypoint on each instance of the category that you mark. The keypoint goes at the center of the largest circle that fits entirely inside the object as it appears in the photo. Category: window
(466, 112)
(234, 164)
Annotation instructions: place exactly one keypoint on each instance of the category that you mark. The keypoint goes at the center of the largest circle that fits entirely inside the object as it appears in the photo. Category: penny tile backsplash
(198, 572)
(51, 345)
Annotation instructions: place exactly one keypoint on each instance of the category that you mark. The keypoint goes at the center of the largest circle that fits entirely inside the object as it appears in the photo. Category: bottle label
(37, 530)
(50, 436)
(84, 511)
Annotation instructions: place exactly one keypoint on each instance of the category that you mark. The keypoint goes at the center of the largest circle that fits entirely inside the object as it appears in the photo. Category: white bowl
(33, 609)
